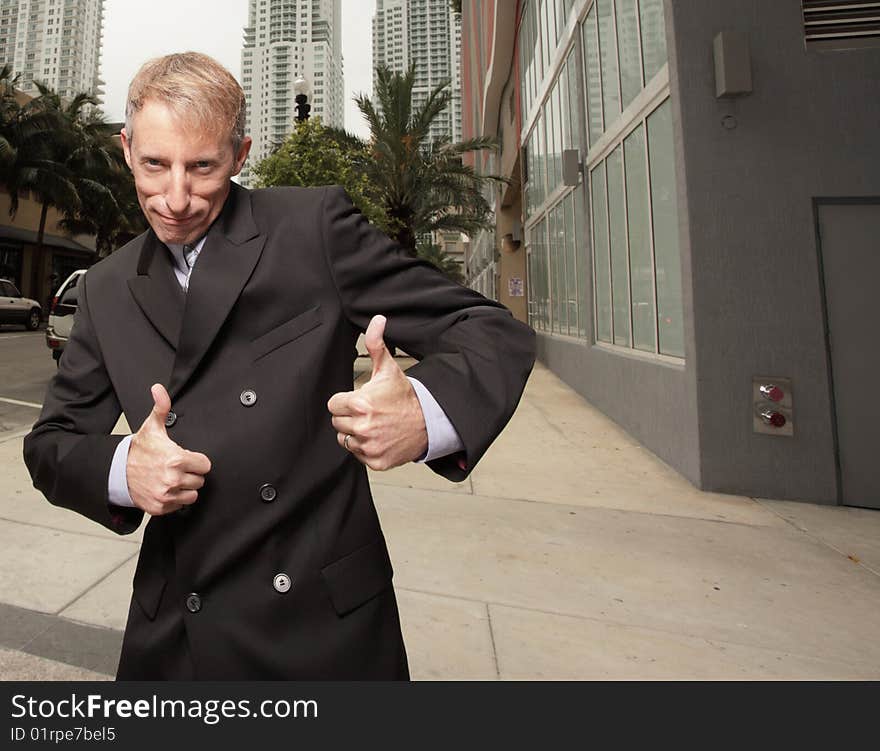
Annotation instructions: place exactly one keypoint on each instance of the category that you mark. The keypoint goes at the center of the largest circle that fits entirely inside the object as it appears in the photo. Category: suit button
(268, 492)
(281, 583)
(170, 419)
(248, 397)
(193, 603)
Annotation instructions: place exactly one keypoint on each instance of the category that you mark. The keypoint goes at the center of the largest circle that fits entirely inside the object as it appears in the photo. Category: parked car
(61, 314)
(17, 309)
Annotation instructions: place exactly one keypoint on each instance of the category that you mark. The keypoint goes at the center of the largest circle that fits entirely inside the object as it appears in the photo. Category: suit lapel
(225, 264)
(156, 289)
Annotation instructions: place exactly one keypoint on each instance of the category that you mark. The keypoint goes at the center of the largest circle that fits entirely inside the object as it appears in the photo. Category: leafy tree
(445, 263)
(107, 201)
(63, 154)
(314, 154)
(424, 185)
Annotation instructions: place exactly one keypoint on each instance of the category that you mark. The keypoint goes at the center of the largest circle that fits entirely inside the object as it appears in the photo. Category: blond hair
(196, 88)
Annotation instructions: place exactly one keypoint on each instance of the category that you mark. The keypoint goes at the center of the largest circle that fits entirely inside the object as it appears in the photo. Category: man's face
(181, 172)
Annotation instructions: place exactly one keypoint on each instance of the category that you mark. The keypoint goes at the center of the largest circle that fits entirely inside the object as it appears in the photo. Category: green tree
(314, 154)
(63, 154)
(424, 185)
(439, 258)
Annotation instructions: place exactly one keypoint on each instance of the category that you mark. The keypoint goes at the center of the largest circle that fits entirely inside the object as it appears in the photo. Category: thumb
(374, 339)
(161, 405)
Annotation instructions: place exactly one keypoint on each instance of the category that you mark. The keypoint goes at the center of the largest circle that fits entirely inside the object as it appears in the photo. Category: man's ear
(242, 155)
(126, 147)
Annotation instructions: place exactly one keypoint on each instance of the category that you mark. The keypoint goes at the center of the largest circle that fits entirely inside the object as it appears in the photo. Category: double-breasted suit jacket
(280, 569)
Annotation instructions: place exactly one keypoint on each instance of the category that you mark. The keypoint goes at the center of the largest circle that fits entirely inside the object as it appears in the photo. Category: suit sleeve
(474, 356)
(69, 452)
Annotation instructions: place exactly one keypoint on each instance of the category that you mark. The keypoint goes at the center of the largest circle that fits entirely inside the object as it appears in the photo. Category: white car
(64, 306)
(17, 309)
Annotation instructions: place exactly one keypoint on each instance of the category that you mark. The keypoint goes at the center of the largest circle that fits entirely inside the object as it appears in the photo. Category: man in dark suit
(227, 333)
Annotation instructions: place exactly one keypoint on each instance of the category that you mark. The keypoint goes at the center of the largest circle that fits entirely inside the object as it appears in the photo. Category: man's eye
(203, 165)
(153, 162)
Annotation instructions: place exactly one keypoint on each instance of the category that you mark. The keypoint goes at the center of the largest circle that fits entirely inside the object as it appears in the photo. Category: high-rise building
(426, 34)
(283, 41)
(55, 42)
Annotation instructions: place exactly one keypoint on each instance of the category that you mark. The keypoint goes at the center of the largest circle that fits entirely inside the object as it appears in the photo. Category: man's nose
(177, 196)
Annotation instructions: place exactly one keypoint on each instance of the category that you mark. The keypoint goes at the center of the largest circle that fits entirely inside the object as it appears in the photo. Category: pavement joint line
(117, 538)
(98, 582)
(623, 624)
(592, 507)
(492, 639)
(816, 538)
(20, 403)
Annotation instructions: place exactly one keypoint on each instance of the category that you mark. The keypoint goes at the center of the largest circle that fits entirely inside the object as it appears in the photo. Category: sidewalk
(571, 552)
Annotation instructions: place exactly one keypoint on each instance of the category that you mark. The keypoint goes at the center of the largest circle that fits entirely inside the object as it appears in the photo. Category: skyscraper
(427, 34)
(55, 42)
(285, 40)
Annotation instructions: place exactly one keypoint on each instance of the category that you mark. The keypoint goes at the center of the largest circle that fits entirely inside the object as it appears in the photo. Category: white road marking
(20, 403)
(15, 336)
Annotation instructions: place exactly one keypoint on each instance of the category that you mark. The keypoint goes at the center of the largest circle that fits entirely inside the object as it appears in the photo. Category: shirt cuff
(117, 483)
(443, 438)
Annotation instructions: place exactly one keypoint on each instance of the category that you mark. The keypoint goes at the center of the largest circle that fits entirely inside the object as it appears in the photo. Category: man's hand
(383, 418)
(162, 476)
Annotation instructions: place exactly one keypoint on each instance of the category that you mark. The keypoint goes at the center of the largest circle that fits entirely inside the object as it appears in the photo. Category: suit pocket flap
(286, 332)
(358, 577)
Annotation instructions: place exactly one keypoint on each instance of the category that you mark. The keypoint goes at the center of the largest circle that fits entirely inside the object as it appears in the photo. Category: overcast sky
(136, 30)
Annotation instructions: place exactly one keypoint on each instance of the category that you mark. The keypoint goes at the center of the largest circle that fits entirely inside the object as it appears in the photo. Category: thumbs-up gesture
(162, 476)
(381, 423)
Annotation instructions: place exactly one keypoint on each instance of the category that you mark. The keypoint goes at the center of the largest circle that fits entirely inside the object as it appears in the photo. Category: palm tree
(424, 185)
(440, 259)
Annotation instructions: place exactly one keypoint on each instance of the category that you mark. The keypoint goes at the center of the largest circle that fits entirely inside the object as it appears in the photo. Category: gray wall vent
(841, 24)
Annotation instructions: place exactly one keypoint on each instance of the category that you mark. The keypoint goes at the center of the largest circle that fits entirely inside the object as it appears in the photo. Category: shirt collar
(177, 253)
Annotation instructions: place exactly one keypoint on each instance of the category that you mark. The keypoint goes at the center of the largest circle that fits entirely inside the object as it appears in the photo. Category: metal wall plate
(762, 404)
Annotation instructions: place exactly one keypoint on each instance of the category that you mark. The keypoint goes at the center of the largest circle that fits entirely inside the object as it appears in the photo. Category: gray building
(722, 234)
(286, 40)
(426, 34)
(55, 42)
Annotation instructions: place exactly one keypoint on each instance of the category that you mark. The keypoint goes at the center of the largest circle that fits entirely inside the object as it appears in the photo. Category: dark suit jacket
(286, 281)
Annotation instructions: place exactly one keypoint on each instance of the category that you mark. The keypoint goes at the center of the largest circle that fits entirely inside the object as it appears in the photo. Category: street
(26, 365)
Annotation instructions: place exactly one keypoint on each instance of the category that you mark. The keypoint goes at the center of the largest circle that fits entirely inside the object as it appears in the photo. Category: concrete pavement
(570, 553)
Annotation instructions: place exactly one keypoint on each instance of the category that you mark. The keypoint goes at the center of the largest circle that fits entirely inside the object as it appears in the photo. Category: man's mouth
(177, 221)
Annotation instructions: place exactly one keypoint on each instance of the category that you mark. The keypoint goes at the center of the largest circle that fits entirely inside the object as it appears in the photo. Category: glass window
(653, 36)
(557, 274)
(619, 260)
(639, 225)
(551, 119)
(592, 78)
(572, 276)
(583, 278)
(541, 159)
(666, 248)
(608, 59)
(628, 50)
(544, 289)
(561, 269)
(601, 264)
(575, 109)
(566, 107)
(544, 29)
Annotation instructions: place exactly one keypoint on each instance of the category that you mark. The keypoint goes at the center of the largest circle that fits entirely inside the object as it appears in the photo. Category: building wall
(285, 40)
(56, 42)
(746, 174)
(808, 130)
